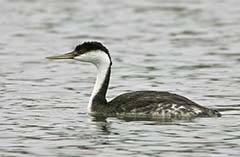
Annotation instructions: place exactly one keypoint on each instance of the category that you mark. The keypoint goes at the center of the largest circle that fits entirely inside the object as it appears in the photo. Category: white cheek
(84, 58)
(95, 57)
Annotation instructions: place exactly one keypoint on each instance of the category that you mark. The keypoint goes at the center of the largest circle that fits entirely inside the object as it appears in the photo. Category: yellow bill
(70, 55)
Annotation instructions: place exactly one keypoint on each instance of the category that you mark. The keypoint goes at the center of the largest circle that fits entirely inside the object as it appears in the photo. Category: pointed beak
(70, 55)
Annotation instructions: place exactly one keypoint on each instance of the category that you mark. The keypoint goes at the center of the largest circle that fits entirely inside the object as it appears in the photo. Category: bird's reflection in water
(102, 124)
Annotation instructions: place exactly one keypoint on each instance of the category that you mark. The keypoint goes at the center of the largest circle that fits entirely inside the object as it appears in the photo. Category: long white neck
(103, 63)
(100, 88)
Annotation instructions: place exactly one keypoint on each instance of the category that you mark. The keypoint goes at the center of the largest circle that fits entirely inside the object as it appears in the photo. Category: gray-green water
(187, 47)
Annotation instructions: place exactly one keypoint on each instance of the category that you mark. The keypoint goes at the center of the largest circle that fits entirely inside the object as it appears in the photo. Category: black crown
(91, 46)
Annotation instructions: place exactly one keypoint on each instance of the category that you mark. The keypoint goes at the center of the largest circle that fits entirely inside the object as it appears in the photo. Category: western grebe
(138, 104)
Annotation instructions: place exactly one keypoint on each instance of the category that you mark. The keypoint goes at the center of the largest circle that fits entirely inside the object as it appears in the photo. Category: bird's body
(139, 104)
(157, 105)
(152, 105)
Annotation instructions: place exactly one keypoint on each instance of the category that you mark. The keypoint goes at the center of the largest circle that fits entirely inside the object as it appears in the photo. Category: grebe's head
(93, 52)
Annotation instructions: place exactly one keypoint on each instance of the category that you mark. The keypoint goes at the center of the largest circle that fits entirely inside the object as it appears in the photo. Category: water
(186, 47)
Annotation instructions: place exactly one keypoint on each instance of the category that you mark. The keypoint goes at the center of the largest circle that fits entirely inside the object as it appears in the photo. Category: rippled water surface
(187, 47)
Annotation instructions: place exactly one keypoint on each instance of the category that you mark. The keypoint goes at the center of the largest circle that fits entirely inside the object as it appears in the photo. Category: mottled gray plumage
(156, 104)
(153, 105)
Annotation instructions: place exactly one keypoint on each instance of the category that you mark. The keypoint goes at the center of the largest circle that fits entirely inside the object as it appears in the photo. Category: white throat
(102, 62)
